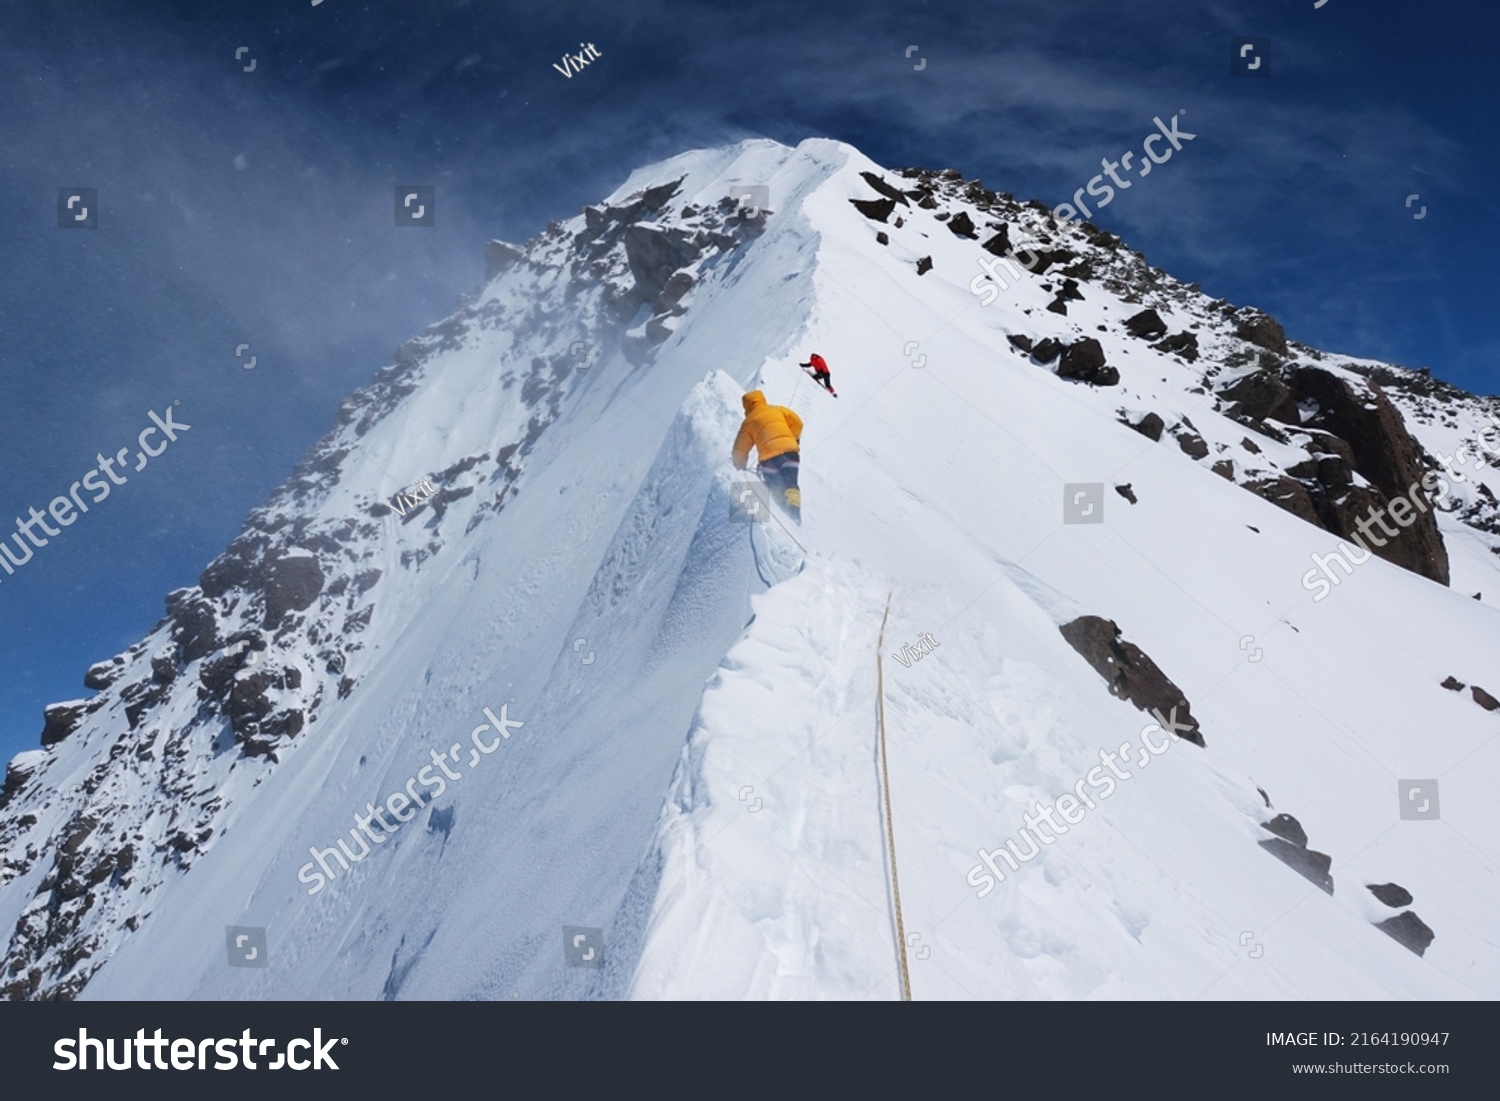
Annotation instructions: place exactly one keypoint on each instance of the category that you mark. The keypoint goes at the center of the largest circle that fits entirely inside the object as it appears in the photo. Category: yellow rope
(890, 832)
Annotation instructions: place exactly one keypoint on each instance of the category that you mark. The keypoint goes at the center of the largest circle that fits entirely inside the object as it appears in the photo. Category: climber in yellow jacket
(776, 434)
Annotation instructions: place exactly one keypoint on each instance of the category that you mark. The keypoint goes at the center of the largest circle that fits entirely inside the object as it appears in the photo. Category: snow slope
(696, 774)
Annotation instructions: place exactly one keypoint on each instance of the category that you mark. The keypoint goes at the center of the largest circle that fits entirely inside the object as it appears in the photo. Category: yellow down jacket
(771, 429)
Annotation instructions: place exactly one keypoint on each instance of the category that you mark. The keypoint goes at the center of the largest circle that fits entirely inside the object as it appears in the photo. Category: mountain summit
(502, 695)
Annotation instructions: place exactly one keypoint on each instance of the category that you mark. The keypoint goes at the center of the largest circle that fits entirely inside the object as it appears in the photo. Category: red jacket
(818, 364)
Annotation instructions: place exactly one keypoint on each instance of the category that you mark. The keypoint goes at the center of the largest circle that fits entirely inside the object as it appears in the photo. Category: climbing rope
(890, 832)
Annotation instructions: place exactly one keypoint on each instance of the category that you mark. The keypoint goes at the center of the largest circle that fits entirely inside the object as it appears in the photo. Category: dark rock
(60, 720)
(877, 210)
(1150, 426)
(1147, 325)
(999, 244)
(163, 670)
(654, 254)
(1386, 455)
(1287, 493)
(1408, 930)
(895, 194)
(1058, 306)
(882, 238)
(195, 627)
(1263, 394)
(1453, 684)
(1182, 344)
(924, 265)
(1021, 341)
(292, 584)
(1070, 291)
(1261, 330)
(1250, 445)
(16, 776)
(1047, 350)
(962, 225)
(1126, 492)
(1081, 359)
(1224, 468)
(102, 674)
(1312, 866)
(1130, 672)
(1287, 828)
(1084, 360)
(1192, 444)
(1392, 894)
(1483, 698)
(677, 286)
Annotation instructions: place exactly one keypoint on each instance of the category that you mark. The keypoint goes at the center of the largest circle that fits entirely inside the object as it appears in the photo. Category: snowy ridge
(579, 564)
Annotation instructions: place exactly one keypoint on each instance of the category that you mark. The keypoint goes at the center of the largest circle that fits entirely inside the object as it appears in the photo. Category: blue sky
(256, 207)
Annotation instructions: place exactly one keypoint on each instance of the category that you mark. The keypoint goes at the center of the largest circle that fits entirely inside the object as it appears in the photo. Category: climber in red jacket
(820, 373)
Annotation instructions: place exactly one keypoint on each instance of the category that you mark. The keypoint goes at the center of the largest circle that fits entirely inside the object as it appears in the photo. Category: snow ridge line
(890, 829)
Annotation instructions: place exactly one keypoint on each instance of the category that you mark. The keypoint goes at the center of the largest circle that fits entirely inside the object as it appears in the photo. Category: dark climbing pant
(780, 471)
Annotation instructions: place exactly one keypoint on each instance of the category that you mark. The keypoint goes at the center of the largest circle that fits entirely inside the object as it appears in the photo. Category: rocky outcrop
(1130, 673)
(1384, 454)
(1262, 330)
(60, 720)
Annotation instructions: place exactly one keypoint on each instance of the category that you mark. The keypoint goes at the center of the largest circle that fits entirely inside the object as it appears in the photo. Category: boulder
(1084, 360)
(999, 244)
(1286, 827)
(962, 225)
(1130, 673)
(924, 265)
(1150, 426)
(877, 210)
(1147, 325)
(1392, 894)
(1047, 350)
